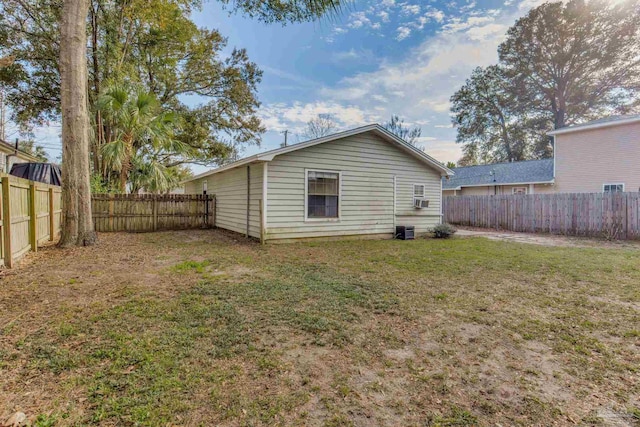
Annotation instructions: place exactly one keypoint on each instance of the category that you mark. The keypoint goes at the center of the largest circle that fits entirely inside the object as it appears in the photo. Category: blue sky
(370, 60)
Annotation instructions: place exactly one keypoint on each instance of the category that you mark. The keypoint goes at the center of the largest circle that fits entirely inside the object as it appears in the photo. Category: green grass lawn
(203, 328)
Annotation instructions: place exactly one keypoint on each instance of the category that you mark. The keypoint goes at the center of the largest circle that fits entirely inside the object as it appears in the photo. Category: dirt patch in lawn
(547, 239)
(206, 328)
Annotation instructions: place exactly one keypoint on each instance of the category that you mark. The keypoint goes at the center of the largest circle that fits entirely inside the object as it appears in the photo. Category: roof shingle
(501, 173)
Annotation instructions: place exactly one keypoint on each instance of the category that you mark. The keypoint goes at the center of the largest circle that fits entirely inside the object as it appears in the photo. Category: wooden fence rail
(150, 212)
(30, 215)
(608, 215)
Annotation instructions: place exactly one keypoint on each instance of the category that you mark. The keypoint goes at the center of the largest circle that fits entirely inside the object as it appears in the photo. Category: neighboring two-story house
(602, 155)
(597, 156)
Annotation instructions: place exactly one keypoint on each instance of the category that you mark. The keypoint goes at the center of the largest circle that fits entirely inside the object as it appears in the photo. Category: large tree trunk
(77, 226)
(99, 138)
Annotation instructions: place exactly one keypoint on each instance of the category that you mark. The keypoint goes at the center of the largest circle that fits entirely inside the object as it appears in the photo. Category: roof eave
(594, 126)
(496, 184)
(270, 155)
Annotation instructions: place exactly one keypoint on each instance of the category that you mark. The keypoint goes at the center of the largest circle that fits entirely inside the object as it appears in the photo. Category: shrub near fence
(608, 215)
(151, 212)
(30, 216)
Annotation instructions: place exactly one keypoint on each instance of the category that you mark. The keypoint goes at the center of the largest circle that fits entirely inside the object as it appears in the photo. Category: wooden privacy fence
(30, 216)
(150, 212)
(608, 215)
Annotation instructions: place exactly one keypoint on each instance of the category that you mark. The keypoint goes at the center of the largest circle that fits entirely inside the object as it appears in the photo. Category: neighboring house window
(418, 191)
(613, 188)
(519, 190)
(323, 194)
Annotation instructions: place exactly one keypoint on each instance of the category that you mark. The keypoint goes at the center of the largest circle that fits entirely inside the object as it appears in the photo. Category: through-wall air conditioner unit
(405, 232)
(420, 203)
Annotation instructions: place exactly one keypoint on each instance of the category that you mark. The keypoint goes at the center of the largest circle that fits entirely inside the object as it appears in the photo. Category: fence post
(52, 216)
(111, 211)
(33, 218)
(206, 211)
(154, 208)
(6, 217)
(626, 216)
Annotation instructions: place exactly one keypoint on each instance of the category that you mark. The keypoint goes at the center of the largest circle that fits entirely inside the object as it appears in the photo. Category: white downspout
(394, 205)
(441, 199)
(265, 193)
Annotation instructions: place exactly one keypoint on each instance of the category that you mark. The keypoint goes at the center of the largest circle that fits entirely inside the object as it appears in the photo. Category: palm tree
(137, 131)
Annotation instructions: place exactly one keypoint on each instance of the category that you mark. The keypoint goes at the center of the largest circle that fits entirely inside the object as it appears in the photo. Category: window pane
(613, 188)
(323, 183)
(418, 191)
(322, 207)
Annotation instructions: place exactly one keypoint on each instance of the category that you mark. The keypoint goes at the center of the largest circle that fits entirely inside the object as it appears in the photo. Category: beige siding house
(362, 182)
(598, 156)
(594, 157)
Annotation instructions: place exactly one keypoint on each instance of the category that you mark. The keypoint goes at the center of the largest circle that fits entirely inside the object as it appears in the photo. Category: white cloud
(388, 3)
(293, 117)
(420, 22)
(384, 15)
(485, 32)
(525, 5)
(468, 6)
(435, 14)
(358, 20)
(403, 33)
(380, 98)
(460, 24)
(410, 9)
(353, 55)
(423, 139)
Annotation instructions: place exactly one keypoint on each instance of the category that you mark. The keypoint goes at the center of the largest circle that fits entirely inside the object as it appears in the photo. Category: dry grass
(203, 328)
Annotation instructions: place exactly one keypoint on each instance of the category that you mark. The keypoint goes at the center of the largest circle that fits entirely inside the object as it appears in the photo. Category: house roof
(48, 173)
(267, 156)
(7, 148)
(597, 124)
(526, 172)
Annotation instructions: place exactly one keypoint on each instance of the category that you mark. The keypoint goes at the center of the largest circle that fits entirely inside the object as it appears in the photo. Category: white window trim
(513, 190)
(424, 191)
(306, 196)
(612, 183)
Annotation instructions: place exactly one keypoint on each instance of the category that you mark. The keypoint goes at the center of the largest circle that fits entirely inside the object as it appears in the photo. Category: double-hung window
(519, 190)
(323, 194)
(613, 188)
(418, 191)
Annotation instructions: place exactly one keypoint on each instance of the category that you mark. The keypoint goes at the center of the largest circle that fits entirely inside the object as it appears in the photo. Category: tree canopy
(561, 64)
(319, 126)
(154, 45)
(397, 126)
